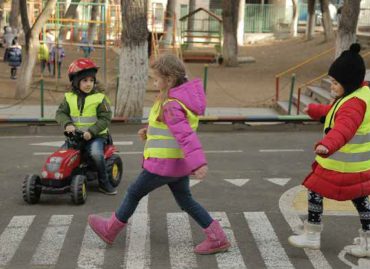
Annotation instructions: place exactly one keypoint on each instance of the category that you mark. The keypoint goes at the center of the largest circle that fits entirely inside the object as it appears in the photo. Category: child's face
(87, 84)
(336, 88)
(160, 82)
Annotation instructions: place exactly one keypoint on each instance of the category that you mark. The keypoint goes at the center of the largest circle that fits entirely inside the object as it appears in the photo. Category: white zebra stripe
(52, 240)
(92, 251)
(231, 259)
(180, 241)
(267, 242)
(13, 236)
(138, 238)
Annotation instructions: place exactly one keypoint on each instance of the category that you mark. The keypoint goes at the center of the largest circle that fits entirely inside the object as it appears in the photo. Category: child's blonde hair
(169, 66)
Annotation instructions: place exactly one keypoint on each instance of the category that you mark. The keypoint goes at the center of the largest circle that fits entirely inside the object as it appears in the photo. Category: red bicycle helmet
(79, 65)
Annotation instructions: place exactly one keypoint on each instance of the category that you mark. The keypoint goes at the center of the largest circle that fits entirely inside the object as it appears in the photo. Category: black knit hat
(81, 75)
(349, 69)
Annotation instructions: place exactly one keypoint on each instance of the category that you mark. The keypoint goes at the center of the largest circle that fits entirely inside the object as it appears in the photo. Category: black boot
(13, 73)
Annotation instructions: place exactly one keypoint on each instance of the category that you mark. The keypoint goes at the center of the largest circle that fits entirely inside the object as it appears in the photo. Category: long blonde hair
(169, 66)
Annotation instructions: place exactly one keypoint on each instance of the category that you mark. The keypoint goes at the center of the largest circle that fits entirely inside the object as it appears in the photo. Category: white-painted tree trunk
(294, 25)
(170, 15)
(91, 31)
(133, 81)
(23, 86)
(70, 14)
(310, 28)
(347, 26)
(240, 30)
(326, 20)
(133, 73)
(192, 5)
(1, 13)
(24, 81)
(230, 23)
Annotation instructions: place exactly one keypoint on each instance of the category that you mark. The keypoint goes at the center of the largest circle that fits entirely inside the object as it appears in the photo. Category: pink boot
(106, 229)
(216, 240)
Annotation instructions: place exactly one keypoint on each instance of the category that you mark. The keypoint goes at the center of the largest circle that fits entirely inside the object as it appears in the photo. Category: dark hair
(15, 40)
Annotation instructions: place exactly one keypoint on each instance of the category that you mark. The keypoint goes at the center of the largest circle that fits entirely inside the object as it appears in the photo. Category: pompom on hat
(349, 69)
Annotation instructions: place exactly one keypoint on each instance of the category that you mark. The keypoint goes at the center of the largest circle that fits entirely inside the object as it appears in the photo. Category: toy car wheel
(78, 189)
(31, 189)
(114, 170)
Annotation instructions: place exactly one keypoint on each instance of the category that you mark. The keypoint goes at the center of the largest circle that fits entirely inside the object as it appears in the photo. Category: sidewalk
(34, 111)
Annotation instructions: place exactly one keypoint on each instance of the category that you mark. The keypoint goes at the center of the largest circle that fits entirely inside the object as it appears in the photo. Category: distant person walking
(86, 47)
(8, 36)
(50, 40)
(43, 56)
(13, 55)
(56, 57)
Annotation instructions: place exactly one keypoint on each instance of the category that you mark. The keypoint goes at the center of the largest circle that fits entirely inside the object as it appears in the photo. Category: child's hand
(320, 149)
(142, 133)
(70, 128)
(201, 172)
(87, 136)
(305, 110)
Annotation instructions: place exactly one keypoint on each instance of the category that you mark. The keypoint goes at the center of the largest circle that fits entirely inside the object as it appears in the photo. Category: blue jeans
(147, 182)
(95, 149)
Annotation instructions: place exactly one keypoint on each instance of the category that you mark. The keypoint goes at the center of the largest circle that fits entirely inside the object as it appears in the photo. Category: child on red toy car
(87, 109)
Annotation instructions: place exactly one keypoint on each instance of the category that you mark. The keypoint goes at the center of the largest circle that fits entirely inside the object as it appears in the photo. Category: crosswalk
(135, 251)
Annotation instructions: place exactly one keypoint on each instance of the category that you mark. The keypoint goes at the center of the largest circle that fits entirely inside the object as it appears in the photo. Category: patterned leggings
(315, 209)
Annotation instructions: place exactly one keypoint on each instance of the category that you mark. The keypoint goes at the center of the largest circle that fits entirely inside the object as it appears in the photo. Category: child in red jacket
(341, 170)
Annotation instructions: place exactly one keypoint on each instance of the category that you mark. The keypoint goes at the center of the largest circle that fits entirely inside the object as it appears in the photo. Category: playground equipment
(93, 25)
(206, 30)
(159, 40)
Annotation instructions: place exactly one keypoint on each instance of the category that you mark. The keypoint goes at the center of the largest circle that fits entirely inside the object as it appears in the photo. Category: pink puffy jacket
(191, 94)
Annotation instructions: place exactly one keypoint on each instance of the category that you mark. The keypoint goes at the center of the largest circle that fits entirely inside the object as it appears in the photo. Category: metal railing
(294, 68)
(303, 85)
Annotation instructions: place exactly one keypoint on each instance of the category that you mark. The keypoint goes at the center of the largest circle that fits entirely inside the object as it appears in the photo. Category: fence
(267, 17)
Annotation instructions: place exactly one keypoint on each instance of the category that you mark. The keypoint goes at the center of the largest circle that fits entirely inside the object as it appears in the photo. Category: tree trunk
(192, 5)
(347, 26)
(70, 14)
(294, 24)
(169, 17)
(1, 13)
(230, 11)
(76, 34)
(14, 16)
(326, 20)
(240, 30)
(23, 86)
(133, 73)
(310, 28)
(91, 32)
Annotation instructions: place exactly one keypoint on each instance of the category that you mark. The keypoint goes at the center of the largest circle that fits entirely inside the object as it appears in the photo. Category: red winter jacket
(331, 184)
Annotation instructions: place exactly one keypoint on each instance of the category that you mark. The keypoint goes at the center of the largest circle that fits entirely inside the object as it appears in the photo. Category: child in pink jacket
(172, 152)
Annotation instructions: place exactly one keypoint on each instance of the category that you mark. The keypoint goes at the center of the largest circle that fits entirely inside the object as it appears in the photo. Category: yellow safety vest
(160, 142)
(355, 155)
(88, 116)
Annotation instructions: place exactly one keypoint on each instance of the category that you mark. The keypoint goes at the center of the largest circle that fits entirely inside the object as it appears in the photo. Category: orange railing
(314, 80)
(290, 70)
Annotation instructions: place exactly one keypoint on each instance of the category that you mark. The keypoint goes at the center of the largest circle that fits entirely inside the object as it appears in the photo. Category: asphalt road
(249, 173)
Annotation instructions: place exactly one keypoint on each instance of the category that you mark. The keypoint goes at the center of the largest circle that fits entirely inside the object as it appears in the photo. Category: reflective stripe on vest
(355, 155)
(160, 142)
(88, 116)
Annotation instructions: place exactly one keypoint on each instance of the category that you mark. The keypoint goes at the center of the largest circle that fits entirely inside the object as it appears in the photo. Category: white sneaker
(310, 238)
(361, 245)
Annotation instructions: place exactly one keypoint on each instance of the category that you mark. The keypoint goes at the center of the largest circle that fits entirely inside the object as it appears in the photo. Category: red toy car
(69, 169)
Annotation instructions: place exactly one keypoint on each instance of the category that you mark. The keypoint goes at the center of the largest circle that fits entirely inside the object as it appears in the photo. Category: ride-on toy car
(69, 169)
